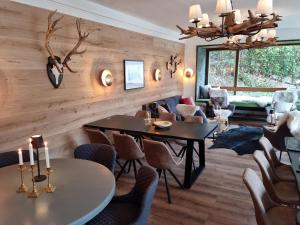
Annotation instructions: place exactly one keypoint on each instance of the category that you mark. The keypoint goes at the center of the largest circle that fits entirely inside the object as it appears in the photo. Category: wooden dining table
(179, 130)
(83, 189)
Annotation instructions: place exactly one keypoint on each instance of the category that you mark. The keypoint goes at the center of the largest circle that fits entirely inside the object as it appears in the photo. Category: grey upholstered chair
(97, 137)
(282, 192)
(171, 117)
(158, 156)
(282, 171)
(134, 207)
(129, 150)
(141, 114)
(12, 158)
(99, 153)
(267, 211)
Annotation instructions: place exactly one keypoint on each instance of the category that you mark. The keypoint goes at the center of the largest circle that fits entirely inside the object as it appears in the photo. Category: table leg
(188, 164)
(201, 145)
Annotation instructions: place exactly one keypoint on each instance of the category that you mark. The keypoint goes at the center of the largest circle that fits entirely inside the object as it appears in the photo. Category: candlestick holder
(22, 188)
(38, 142)
(50, 188)
(34, 193)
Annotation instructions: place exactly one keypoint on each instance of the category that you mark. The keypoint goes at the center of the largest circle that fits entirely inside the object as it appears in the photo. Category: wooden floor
(218, 197)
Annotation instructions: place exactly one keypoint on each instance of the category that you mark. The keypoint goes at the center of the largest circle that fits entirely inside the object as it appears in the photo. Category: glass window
(273, 67)
(221, 68)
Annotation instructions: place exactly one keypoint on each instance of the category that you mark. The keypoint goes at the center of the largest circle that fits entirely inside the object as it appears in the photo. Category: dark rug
(243, 140)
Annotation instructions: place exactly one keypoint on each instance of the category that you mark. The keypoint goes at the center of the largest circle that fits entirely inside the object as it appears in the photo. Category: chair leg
(176, 179)
(139, 162)
(122, 170)
(280, 155)
(171, 147)
(134, 169)
(159, 172)
(181, 152)
(167, 187)
(129, 167)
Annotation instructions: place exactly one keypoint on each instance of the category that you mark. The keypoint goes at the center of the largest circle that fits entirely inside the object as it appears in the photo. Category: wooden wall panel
(29, 103)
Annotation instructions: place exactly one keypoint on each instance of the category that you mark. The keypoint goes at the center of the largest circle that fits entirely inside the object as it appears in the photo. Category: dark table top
(179, 129)
(293, 147)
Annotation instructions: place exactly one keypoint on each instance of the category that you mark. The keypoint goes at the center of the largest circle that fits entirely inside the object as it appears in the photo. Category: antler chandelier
(258, 28)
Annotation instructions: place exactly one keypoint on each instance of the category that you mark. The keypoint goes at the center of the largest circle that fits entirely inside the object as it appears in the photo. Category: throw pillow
(162, 109)
(187, 101)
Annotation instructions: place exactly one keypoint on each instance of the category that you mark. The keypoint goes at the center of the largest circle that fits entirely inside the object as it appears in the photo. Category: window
(253, 72)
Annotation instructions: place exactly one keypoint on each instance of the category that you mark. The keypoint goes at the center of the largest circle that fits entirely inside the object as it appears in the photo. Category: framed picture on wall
(134, 74)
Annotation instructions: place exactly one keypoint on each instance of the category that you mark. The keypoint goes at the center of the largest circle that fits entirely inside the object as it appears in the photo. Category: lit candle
(20, 157)
(47, 156)
(31, 153)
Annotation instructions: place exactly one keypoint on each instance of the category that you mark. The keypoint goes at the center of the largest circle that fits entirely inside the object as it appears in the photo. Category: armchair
(219, 98)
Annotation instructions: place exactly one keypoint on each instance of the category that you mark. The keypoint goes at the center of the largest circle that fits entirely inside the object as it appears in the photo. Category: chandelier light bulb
(205, 20)
(195, 13)
(264, 7)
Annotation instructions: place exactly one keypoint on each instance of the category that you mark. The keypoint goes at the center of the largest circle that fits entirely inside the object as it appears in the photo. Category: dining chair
(267, 212)
(158, 156)
(171, 117)
(96, 136)
(143, 115)
(12, 158)
(282, 171)
(134, 207)
(282, 192)
(193, 119)
(129, 150)
(99, 153)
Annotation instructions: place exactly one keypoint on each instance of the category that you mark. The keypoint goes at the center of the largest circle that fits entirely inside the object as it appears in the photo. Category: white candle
(47, 156)
(31, 153)
(20, 157)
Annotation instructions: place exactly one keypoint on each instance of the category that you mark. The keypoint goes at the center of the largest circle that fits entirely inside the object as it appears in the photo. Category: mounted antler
(81, 37)
(50, 31)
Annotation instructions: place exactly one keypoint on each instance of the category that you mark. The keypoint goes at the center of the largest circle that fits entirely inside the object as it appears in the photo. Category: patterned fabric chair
(282, 192)
(281, 171)
(158, 156)
(267, 211)
(97, 137)
(127, 149)
(12, 158)
(134, 207)
(99, 153)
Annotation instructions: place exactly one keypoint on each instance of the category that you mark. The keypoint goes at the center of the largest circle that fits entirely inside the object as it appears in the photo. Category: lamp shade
(223, 6)
(272, 33)
(106, 78)
(205, 20)
(157, 75)
(37, 141)
(237, 15)
(264, 7)
(195, 13)
(188, 72)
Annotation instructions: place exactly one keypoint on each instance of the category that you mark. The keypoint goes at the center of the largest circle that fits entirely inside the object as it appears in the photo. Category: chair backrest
(97, 137)
(193, 119)
(269, 152)
(158, 155)
(12, 158)
(143, 193)
(269, 178)
(171, 117)
(141, 114)
(260, 197)
(126, 147)
(99, 153)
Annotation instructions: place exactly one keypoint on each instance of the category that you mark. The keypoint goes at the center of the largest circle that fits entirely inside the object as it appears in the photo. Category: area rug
(243, 140)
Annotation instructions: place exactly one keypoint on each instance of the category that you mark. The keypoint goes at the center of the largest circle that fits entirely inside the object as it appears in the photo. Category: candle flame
(46, 143)
(19, 150)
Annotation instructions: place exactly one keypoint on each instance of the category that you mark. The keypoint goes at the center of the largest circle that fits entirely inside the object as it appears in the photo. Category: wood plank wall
(28, 102)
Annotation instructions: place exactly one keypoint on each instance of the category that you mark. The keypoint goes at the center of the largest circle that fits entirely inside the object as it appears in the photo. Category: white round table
(83, 189)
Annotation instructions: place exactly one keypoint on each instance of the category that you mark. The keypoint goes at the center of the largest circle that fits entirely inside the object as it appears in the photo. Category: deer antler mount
(55, 66)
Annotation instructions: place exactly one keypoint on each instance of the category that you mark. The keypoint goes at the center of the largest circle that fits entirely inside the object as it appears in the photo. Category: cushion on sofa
(187, 101)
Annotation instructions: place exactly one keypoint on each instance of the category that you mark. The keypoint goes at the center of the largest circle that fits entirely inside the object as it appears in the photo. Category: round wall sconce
(188, 72)
(157, 75)
(106, 78)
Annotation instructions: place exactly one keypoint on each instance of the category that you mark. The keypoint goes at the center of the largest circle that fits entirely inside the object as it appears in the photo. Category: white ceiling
(169, 13)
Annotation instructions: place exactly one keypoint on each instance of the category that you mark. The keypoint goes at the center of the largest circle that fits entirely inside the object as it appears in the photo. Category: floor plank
(218, 197)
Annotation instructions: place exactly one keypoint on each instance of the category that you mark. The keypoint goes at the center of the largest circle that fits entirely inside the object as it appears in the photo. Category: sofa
(170, 104)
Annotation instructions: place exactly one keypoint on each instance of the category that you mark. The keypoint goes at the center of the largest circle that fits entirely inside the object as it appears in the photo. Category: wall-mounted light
(157, 75)
(106, 78)
(188, 72)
